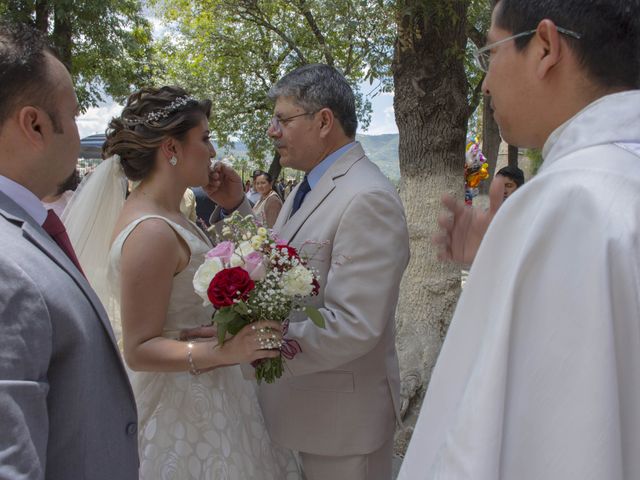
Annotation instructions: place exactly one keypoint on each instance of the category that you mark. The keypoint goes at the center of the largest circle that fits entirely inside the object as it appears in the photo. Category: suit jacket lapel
(286, 227)
(34, 233)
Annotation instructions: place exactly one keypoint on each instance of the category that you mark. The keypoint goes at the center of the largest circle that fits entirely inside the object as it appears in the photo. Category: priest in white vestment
(539, 375)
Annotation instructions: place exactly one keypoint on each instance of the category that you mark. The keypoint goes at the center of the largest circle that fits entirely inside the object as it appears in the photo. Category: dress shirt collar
(24, 198)
(314, 176)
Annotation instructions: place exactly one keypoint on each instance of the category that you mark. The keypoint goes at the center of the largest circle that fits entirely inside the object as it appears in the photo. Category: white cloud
(383, 119)
(96, 119)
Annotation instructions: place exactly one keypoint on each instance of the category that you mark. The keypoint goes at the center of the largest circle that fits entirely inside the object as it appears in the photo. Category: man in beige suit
(338, 403)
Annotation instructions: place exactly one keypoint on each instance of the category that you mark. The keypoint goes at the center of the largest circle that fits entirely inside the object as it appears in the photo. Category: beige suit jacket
(340, 396)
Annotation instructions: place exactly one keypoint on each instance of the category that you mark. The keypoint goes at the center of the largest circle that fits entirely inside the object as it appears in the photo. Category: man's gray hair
(318, 86)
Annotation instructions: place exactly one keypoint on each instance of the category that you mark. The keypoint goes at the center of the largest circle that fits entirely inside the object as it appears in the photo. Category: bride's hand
(255, 341)
(225, 187)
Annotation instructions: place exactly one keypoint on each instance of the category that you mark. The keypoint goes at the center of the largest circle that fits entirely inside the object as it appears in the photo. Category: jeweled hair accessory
(163, 112)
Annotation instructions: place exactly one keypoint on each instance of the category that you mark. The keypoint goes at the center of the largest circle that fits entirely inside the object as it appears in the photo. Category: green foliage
(107, 43)
(234, 51)
(535, 156)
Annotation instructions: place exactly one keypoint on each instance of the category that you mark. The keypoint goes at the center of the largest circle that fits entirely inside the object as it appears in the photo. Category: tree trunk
(275, 168)
(490, 141)
(431, 113)
(62, 32)
(42, 10)
(513, 156)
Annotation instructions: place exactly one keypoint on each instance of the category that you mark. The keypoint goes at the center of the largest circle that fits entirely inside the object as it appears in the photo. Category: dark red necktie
(54, 227)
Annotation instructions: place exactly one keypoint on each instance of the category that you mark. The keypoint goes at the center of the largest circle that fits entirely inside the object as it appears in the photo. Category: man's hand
(463, 227)
(225, 187)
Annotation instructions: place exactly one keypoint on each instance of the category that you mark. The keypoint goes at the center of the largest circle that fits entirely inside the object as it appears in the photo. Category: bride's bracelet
(193, 370)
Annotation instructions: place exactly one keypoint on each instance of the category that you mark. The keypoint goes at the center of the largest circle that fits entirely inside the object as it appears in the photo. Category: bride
(196, 420)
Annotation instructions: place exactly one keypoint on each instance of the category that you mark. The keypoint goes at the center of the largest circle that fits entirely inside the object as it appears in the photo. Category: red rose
(288, 250)
(228, 285)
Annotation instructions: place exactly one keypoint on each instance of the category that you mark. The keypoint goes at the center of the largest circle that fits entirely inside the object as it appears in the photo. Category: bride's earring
(173, 161)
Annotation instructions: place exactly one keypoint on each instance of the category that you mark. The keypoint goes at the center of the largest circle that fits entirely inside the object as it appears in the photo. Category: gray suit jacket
(341, 395)
(66, 407)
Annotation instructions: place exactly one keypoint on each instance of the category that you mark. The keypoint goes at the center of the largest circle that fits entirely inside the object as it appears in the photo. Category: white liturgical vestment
(539, 375)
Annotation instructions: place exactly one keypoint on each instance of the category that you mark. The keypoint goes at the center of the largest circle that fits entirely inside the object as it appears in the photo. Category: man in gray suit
(66, 407)
(339, 402)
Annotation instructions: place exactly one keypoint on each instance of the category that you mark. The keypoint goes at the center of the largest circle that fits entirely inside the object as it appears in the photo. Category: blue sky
(95, 119)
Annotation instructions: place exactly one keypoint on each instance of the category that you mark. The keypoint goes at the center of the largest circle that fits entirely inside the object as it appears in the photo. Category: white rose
(244, 249)
(298, 281)
(204, 275)
(236, 261)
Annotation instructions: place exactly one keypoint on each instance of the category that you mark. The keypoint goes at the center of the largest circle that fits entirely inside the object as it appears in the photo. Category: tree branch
(306, 12)
(251, 13)
(476, 95)
(476, 36)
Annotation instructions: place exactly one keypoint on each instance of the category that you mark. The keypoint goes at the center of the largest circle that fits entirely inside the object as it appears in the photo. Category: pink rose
(254, 265)
(223, 251)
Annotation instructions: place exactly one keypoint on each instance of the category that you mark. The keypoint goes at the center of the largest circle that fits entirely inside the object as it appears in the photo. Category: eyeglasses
(277, 123)
(482, 56)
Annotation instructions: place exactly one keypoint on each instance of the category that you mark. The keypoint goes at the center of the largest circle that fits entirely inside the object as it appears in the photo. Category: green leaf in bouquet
(222, 319)
(241, 308)
(222, 332)
(315, 316)
(235, 325)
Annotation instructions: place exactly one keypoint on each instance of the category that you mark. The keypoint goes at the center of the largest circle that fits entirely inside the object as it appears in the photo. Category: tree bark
(42, 10)
(275, 168)
(513, 156)
(490, 140)
(431, 112)
(63, 32)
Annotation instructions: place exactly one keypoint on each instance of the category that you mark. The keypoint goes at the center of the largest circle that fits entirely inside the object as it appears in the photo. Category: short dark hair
(514, 173)
(318, 86)
(24, 71)
(609, 44)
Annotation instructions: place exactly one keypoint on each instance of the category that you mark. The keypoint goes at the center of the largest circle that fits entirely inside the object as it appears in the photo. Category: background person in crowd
(513, 179)
(58, 201)
(66, 406)
(253, 195)
(266, 210)
(539, 374)
(204, 207)
(188, 205)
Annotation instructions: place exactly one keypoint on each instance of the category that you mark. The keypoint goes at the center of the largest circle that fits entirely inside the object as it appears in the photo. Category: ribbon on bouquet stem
(290, 348)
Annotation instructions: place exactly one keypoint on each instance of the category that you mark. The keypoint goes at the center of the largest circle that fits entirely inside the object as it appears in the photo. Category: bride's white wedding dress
(199, 427)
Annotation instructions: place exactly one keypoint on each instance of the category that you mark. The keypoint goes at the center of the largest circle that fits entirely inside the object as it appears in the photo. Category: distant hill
(381, 149)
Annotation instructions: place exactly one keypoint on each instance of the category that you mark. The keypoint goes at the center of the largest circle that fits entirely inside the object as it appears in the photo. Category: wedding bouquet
(253, 276)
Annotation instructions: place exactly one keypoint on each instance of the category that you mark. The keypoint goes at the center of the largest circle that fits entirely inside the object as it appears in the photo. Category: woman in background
(266, 210)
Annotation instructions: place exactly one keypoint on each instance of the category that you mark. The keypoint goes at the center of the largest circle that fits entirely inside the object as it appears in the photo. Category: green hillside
(381, 149)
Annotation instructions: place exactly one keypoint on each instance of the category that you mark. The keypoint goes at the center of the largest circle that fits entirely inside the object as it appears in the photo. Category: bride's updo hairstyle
(149, 117)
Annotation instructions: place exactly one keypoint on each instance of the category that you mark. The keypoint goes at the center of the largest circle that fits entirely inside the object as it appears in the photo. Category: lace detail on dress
(205, 427)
